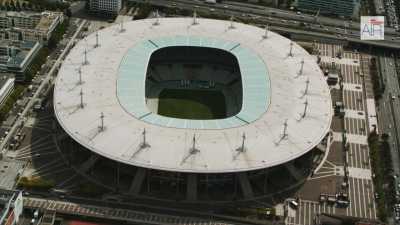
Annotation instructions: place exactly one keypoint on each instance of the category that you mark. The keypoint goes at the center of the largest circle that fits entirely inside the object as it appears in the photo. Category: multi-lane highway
(286, 21)
(389, 109)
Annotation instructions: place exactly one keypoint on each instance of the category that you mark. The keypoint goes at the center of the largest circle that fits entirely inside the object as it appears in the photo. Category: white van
(294, 204)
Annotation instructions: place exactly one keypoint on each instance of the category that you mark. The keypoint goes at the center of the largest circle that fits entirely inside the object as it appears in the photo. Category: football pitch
(191, 104)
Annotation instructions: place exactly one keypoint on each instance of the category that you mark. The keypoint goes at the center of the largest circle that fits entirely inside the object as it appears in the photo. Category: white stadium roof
(169, 146)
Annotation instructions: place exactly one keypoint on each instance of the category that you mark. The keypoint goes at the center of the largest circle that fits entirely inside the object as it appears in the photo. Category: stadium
(192, 110)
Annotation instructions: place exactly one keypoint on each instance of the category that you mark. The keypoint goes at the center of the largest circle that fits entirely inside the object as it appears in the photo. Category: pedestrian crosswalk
(306, 212)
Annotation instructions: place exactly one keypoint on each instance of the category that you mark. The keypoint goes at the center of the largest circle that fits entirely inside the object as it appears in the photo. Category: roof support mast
(265, 36)
(232, 23)
(121, 27)
(195, 18)
(284, 134)
(192, 151)
(81, 95)
(80, 76)
(157, 21)
(291, 49)
(85, 61)
(101, 127)
(144, 144)
(301, 67)
(305, 109)
(242, 148)
(97, 40)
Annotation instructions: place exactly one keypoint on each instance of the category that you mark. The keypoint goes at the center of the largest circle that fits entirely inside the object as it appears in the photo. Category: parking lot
(353, 157)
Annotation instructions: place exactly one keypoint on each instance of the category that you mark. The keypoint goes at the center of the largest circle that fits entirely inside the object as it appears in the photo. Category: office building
(16, 56)
(342, 8)
(11, 206)
(105, 7)
(28, 26)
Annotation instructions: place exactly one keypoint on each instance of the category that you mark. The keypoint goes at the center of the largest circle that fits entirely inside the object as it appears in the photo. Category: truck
(210, 1)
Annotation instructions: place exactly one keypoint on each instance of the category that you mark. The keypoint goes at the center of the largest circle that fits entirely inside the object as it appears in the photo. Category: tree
(68, 12)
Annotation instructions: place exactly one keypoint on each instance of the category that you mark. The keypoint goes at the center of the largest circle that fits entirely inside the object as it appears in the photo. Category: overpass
(51, 207)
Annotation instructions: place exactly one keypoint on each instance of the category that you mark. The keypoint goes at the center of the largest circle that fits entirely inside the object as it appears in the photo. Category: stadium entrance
(193, 83)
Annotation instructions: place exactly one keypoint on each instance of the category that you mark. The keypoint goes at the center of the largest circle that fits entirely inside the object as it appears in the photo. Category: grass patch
(192, 104)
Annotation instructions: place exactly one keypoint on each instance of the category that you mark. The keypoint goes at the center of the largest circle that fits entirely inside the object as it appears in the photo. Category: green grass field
(191, 104)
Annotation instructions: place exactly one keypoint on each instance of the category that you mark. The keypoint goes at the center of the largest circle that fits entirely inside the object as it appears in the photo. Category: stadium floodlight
(101, 127)
(81, 95)
(157, 21)
(265, 36)
(232, 23)
(291, 49)
(195, 18)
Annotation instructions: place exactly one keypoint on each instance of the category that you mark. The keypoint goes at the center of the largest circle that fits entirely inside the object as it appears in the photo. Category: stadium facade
(271, 135)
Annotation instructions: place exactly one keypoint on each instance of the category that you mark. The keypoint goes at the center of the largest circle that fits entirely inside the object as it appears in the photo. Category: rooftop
(274, 135)
(22, 51)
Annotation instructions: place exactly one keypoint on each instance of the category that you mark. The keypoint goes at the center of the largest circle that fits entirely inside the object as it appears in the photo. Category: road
(389, 110)
(111, 213)
(335, 28)
(38, 92)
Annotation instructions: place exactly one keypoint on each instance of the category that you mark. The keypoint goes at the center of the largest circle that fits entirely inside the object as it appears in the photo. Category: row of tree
(384, 182)
(34, 5)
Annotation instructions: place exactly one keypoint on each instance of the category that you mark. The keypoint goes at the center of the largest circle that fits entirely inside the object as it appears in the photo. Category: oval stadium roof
(281, 126)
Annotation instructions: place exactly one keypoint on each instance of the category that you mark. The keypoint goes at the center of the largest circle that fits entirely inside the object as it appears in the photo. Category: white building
(6, 87)
(27, 26)
(105, 7)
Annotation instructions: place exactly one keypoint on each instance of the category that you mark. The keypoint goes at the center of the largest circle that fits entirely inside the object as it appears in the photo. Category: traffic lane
(392, 89)
(217, 7)
(266, 11)
(385, 119)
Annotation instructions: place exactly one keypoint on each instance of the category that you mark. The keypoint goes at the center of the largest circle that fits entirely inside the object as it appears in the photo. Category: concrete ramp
(293, 171)
(88, 164)
(137, 181)
(191, 189)
(245, 185)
